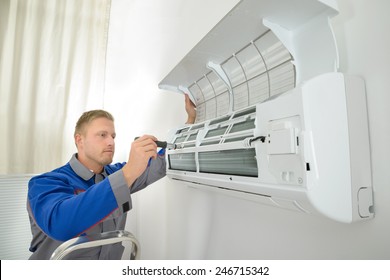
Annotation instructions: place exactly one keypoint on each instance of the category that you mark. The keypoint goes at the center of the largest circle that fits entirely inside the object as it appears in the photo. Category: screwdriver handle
(162, 144)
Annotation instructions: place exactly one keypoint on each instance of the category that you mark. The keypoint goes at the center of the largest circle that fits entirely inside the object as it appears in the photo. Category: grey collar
(81, 170)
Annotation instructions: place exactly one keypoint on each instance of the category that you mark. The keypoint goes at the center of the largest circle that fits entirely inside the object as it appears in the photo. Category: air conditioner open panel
(274, 117)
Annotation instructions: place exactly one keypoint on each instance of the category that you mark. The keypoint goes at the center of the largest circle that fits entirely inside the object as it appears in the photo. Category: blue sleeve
(63, 214)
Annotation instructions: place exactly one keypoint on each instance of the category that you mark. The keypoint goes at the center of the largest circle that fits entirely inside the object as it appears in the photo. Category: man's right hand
(142, 150)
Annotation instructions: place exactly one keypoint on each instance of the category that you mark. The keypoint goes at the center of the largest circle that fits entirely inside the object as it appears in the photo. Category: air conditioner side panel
(335, 117)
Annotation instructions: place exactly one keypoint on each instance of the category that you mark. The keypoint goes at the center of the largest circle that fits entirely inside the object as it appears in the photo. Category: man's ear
(78, 140)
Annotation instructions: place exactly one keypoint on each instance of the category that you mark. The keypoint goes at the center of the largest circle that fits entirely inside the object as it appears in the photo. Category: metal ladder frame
(95, 240)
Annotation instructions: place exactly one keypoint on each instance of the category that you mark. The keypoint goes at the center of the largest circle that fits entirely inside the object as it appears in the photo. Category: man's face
(96, 145)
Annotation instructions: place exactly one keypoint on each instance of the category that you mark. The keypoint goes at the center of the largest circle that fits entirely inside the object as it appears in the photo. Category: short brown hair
(89, 116)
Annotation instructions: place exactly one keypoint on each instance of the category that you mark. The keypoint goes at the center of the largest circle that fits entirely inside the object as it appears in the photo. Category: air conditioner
(275, 121)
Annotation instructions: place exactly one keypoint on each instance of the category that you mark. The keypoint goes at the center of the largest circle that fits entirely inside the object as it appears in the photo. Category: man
(89, 195)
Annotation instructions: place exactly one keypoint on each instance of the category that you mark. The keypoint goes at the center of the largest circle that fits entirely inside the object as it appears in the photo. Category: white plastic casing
(303, 147)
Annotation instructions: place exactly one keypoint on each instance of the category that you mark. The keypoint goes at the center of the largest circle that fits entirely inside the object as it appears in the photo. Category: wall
(172, 221)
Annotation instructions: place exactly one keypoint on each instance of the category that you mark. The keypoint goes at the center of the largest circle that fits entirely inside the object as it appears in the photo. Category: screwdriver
(163, 144)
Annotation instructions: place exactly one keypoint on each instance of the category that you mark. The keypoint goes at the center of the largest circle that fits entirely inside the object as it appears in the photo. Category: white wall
(172, 221)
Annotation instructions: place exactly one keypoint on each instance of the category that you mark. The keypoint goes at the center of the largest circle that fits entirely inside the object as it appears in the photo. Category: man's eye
(103, 134)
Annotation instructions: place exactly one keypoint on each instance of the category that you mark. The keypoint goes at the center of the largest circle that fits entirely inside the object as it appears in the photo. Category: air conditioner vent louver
(240, 162)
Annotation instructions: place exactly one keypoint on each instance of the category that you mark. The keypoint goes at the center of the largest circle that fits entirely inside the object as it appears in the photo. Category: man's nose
(111, 141)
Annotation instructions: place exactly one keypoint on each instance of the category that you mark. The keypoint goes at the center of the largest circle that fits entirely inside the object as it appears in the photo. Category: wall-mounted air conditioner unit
(275, 119)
